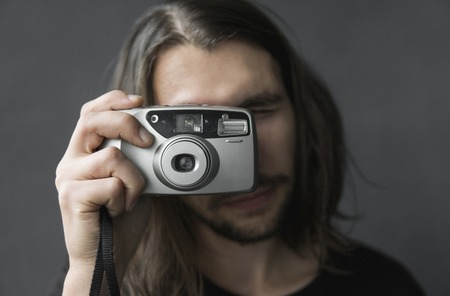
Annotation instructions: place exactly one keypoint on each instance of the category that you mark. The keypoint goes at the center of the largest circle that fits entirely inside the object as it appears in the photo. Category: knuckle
(112, 155)
(58, 181)
(140, 182)
(105, 98)
(60, 176)
(58, 173)
(86, 124)
(85, 119)
(86, 108)
(65, 191)
(115, 187)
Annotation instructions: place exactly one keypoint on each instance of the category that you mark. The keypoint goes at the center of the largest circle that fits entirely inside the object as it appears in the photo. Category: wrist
(78, 280)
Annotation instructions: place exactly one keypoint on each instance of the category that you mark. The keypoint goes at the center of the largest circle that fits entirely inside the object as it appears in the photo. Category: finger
(113, 100)
(86, 197)
(108, 162)
(94, 127)
(80, 202)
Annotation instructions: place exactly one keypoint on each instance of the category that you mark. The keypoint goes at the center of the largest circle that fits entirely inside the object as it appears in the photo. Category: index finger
(113, 100)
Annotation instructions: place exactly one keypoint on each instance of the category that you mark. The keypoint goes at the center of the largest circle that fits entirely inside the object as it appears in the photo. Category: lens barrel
(186, 162)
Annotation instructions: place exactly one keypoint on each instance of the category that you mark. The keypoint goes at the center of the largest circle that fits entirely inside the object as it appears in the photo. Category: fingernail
(145, 136)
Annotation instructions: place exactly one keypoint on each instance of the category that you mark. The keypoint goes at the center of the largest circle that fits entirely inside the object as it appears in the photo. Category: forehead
(225, 75)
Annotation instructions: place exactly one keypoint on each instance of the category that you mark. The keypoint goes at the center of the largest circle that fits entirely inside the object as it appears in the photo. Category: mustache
(263, 180)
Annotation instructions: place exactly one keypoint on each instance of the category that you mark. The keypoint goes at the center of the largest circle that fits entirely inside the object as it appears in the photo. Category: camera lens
(184, 163)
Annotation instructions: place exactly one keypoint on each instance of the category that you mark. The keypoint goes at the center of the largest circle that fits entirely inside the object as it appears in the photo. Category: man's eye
(262, 112)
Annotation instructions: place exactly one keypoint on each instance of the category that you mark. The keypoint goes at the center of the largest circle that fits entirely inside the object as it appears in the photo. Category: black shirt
(362, 272)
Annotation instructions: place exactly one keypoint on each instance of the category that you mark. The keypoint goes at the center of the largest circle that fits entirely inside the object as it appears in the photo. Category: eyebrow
(261, 100)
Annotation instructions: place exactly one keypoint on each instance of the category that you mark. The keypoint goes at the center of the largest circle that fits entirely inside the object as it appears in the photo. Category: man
(277, 240)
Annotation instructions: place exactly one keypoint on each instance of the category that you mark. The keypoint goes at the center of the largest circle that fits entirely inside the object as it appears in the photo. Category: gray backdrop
(387, 62)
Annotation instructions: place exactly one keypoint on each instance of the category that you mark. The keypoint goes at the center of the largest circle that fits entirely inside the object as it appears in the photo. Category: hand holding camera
(193, 150)
(88, 178)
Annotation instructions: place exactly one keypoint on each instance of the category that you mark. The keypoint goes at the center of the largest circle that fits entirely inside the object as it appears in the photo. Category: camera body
(196, 149)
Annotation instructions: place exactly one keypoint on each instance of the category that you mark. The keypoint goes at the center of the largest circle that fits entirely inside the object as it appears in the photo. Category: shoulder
(365, 271)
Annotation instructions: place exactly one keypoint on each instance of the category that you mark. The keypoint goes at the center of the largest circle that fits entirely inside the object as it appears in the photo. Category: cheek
(276, 144)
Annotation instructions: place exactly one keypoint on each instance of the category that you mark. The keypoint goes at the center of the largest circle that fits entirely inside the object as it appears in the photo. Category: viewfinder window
(188, 123)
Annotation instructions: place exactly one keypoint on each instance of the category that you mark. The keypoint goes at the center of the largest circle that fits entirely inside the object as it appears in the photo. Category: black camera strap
(104, 263)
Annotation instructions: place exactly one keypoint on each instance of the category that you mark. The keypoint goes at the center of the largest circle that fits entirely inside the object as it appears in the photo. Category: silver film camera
(196, 149)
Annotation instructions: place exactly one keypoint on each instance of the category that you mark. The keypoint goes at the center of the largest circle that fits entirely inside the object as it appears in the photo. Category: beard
(237, 230)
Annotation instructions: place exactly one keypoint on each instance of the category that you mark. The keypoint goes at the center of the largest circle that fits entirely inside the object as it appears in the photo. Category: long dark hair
(166, 261)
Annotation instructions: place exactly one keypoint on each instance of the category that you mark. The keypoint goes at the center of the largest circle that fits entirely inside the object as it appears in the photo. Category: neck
(268, 267)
